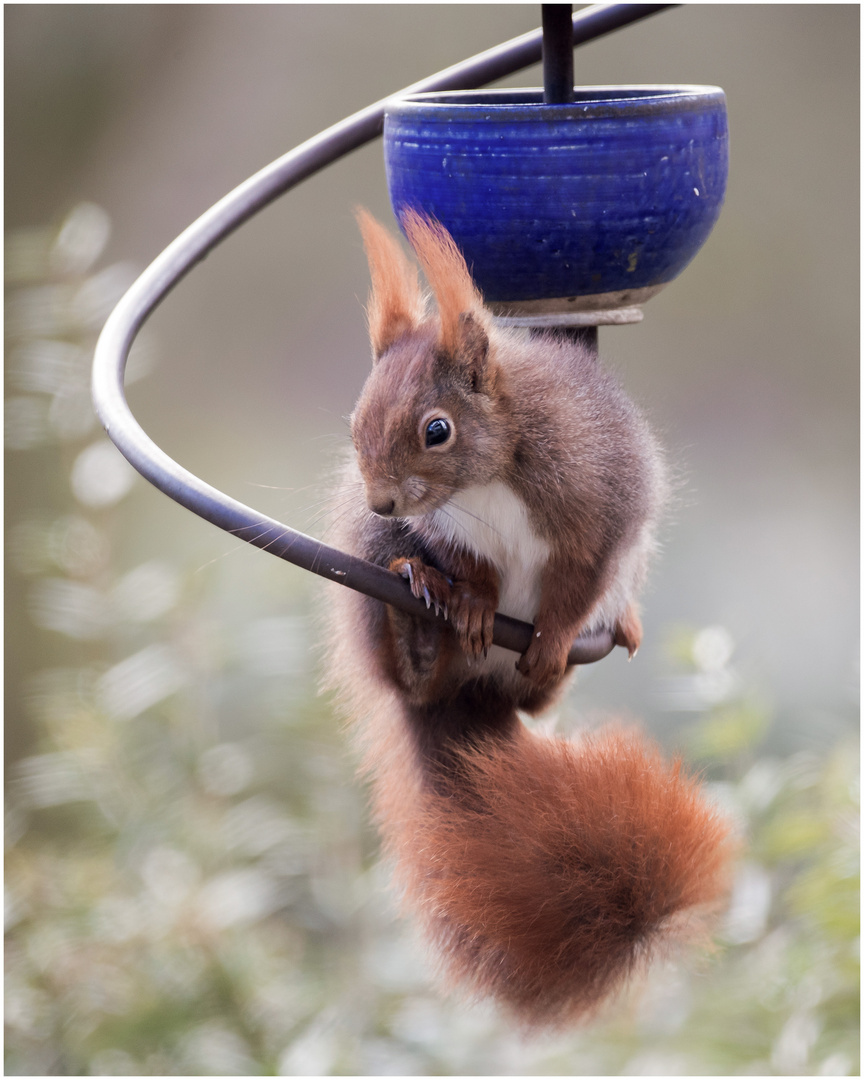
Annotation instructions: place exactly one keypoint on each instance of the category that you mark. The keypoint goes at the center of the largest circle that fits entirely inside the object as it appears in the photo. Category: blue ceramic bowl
(592, 205)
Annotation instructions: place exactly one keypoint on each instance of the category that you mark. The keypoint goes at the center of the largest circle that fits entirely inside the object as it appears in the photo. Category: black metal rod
(557, 53)
(192, 245)
(584, 335)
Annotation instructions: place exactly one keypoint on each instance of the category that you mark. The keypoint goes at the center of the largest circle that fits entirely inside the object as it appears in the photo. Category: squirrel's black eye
(437, 432)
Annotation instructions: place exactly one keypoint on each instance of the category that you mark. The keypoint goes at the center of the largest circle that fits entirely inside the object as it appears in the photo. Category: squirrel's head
(429, 421)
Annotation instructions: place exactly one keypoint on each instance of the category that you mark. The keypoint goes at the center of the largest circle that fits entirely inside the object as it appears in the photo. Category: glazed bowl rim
(619, 98)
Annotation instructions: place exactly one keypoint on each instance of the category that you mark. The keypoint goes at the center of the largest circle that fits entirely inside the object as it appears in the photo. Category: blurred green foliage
(191, 885)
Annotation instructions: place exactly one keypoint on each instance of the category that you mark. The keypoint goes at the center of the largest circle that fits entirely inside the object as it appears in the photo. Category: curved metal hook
(122, 326)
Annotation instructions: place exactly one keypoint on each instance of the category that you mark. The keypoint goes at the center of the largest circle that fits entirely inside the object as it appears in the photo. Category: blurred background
(192, 887)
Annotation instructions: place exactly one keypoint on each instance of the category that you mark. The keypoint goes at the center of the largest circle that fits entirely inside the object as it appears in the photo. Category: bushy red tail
(546, 871)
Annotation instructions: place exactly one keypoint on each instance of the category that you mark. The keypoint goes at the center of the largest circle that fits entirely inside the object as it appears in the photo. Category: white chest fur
(493, 522)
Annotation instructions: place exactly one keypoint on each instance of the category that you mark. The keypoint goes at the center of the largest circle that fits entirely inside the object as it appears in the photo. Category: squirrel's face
(426, 425)
(429, 421)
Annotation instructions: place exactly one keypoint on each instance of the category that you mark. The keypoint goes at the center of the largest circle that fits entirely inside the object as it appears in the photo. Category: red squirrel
(500, 471)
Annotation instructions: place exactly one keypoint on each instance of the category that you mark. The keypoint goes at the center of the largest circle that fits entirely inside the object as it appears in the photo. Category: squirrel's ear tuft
(396, 300)
(448, 275)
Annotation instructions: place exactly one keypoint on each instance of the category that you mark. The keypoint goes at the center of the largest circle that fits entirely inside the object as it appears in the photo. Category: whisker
(328, 434)
(279, 487)
(469, 513)
(238, 532)
(218, 558)
(330, 518)
(276, 539)
(280, 532)
(335, 505)
(331, 500)
(243, 543)
(338, 508)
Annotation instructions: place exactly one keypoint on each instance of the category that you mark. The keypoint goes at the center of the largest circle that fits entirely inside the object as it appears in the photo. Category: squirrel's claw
(471, 614)
(427, 583)
(473, 618)
(628, 631)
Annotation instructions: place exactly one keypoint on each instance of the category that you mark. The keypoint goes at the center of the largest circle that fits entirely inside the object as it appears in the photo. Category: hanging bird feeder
(571, 213)
(572, 207)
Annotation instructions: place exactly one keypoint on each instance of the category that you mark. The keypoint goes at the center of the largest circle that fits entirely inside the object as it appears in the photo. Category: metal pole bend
(122, 326)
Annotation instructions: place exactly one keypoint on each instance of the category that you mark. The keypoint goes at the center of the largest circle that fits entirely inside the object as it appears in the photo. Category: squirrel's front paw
(472, 614)
(470, 609)
(426, 583)
(544, 662)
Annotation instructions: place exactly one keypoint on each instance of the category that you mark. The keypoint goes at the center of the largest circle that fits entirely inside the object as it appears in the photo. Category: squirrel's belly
(493, 522)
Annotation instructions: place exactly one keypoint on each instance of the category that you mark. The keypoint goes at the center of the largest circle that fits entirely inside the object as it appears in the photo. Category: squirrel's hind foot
(628, 631)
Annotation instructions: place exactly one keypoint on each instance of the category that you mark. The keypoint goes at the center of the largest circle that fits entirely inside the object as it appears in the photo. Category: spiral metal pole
(192, 245)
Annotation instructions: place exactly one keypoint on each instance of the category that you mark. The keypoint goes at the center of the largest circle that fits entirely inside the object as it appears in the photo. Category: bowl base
(617, 317)
(596, 309)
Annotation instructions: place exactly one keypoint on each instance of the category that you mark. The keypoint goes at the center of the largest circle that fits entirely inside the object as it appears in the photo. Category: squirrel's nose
(382, 495)
(382, 507)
